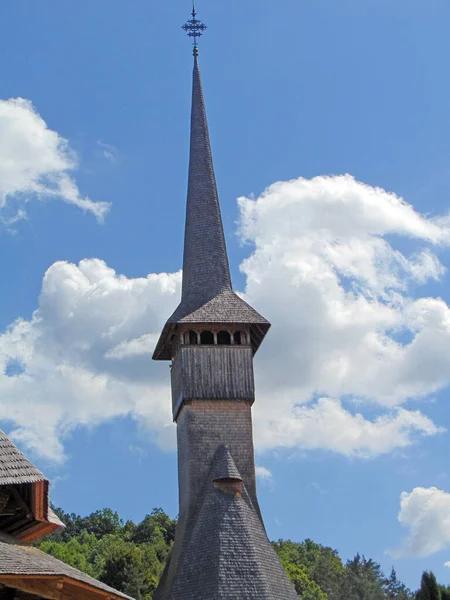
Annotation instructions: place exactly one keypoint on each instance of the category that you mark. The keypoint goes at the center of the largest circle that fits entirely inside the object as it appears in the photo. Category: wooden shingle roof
(225, 553)
(206, 272)
(23, 561)
(15, 468)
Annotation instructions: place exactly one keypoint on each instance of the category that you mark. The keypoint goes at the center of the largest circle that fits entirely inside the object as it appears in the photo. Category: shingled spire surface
(206, 272)
(207, 294)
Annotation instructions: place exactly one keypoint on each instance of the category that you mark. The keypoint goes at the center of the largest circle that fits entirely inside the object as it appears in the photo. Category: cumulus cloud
(447, 564)
(83, 358)
(323, 271)
(35, 162)
(327, 425)
(326, 271)
(349, 347)
(426, 513)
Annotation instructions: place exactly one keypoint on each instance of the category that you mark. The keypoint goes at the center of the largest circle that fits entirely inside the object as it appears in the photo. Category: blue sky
(349, 276)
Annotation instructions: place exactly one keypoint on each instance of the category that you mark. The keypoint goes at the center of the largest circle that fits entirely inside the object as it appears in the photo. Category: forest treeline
(130, 557)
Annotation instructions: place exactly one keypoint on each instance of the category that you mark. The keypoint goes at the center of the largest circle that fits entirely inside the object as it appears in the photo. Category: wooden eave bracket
(20, 501)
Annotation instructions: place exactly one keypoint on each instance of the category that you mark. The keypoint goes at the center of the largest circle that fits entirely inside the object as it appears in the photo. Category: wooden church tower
(221, 549)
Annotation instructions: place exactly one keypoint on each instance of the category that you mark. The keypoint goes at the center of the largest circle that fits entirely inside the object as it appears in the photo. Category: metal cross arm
(194, 28)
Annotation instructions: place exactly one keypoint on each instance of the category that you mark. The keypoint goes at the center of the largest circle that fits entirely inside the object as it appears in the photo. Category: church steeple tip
(206, 271)
(194, 29)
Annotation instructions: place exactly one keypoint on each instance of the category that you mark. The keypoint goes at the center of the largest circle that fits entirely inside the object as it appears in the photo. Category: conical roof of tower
(207, 294)
(227, 555)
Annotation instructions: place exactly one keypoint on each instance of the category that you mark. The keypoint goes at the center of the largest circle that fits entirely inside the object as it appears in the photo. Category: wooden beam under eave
(45, 588)
(37, 531)
(79, 589)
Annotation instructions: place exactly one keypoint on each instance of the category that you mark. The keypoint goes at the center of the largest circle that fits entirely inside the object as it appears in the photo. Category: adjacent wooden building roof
(25, 516)
(24, 496)
(15, 468)
(30, 570)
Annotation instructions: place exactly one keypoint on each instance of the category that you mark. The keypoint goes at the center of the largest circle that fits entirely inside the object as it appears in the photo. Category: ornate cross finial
(194, 29)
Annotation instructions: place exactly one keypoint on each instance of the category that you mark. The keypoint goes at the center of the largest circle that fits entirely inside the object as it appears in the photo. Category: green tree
(304, 586)
(395, 589)
(103, 522)
(77, 552)
(100, 523)
(363, 580)
(155, 527)
(131, 568)
(74, 525)
(322, 564)
(429, 588)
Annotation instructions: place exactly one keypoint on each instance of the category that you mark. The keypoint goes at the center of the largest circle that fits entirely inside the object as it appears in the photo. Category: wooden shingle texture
(23, 560)
(15, 468)
(207, 294)
(225, 554)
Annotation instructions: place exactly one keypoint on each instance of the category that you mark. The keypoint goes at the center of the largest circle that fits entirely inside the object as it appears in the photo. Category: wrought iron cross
(194, 29)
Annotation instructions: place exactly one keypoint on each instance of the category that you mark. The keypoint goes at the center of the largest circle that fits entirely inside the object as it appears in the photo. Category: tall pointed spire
(221, 550)
(206, 272)
(207, 294)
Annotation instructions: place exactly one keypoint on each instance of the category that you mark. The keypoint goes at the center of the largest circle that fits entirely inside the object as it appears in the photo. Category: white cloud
(263, 473)
(447, 564)
(35, 162)
(349, 344)
(108, 152)
(137, 347)
(325, 424)
(265, 477)
(345, 326)
(69, 353)
(426, 513)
